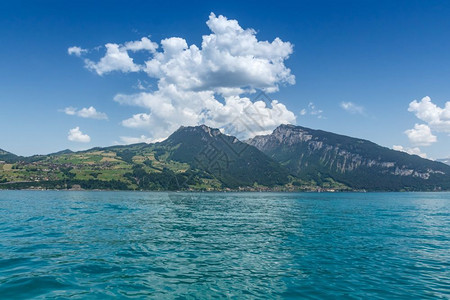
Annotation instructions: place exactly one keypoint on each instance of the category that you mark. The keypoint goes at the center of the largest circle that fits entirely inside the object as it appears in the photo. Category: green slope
(8, 156)
(234, 163)
(178, 163)
(360, 164)
(202, 158)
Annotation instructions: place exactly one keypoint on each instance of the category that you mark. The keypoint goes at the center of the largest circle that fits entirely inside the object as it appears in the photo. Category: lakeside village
(37, 175)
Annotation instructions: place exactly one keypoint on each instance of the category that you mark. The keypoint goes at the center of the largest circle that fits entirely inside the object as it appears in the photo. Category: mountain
(192, 158)
(444, 161)
(200, 158)
(8, 156)
(66, 151)
(231, 161)
(360, 164)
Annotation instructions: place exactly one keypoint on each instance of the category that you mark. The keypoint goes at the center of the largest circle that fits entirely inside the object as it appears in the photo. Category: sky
(82, 74)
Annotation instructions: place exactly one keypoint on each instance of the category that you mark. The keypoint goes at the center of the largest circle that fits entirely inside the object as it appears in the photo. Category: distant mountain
(8, 156)
(66, 151)
(444, 160)
(320, 155)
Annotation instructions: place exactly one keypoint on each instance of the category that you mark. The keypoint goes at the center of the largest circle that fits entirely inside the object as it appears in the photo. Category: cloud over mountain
(206, 83)
(412, 151)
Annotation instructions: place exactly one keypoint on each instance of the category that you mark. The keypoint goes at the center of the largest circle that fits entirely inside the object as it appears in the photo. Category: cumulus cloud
(436, 117)
(90, 113)
(352, 108)
(75, 135)
(117, 57)
(206, 83)
(143, 44)
(138, 121)
(71, 111)
(77, 51)
(239, 116)
(421, 135)
(412, 151)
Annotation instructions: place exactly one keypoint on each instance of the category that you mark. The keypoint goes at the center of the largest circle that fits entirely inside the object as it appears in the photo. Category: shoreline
(222, 191)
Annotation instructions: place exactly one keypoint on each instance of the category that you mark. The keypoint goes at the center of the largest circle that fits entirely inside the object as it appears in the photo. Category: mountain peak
(358, 163)
(286, 127)
(284, 134)
(212, 132)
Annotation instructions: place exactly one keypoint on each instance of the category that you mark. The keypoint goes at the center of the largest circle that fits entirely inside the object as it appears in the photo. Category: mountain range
(292, 158)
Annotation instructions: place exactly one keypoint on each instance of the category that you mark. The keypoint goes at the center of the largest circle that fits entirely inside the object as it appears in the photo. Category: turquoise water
(224, 245)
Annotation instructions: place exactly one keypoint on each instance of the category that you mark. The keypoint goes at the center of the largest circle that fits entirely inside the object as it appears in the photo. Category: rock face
(315, 154)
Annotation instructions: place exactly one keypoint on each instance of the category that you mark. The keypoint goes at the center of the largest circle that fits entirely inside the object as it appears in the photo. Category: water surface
(224, 245)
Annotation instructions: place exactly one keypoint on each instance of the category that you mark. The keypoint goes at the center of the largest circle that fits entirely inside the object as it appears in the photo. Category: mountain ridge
(234, 162)
(444, 160)
(355, 162)
(203, 158)
(8, 156)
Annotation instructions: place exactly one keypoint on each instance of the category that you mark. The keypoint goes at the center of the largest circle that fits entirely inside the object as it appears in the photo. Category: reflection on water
(221, 245)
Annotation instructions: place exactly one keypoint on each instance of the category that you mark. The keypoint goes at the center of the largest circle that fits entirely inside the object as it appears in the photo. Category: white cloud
(75, 135)
(312, 110)
(352, 108)
(170, 109)
(90, 113)
(436, 117)
(138, 121)
(143, 44)
(70, 111)
(230, 57)
(421, 135)
(117, 57)
(412, 151)
(77, 51)
(134, 140)
(205, 84)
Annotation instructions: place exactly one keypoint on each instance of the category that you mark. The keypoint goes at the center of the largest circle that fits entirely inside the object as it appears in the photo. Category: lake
(98, 245)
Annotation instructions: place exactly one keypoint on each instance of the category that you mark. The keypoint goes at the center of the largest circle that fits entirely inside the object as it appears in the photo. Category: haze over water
(225, 245)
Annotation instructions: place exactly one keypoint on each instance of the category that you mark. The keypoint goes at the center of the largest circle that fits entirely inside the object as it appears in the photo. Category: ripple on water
(216, 245)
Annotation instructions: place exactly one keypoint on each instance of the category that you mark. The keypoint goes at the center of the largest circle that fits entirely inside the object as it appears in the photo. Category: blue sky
(358, 67)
